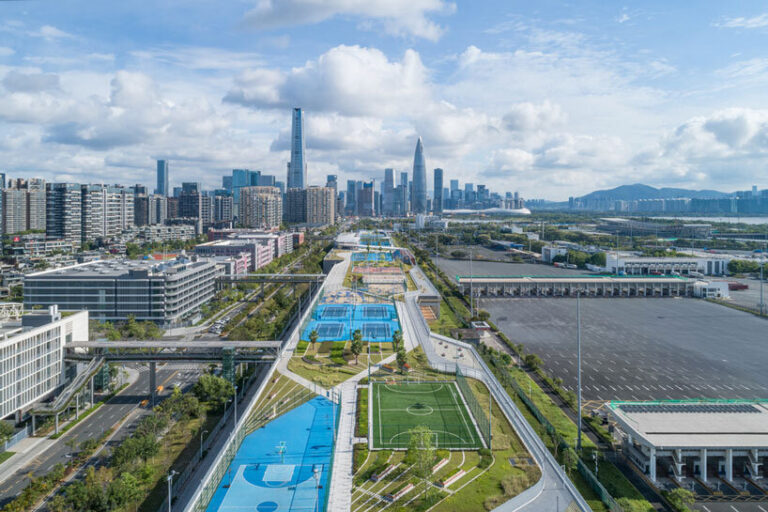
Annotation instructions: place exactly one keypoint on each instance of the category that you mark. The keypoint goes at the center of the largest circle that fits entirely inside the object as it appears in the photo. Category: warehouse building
(641, 265)
(113, 290)
(702, 439)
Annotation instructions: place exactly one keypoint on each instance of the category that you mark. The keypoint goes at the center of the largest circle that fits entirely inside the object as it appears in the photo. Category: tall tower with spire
(419, 180)
(297, 168)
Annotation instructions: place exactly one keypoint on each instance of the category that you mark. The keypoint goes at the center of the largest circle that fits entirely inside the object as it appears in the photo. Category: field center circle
(422, 412)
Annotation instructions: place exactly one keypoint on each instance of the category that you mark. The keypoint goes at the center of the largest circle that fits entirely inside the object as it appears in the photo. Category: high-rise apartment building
(23, 206)
(419, 180)
(437, 203)
(106, 211)
(320, 206)
(297, 168)
(150, 210)
(261, 207)
(64, 212)
(163, 187)
(295, 206)
(222, 209)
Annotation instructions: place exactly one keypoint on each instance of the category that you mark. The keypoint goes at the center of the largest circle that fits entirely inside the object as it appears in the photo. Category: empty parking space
(639, 349)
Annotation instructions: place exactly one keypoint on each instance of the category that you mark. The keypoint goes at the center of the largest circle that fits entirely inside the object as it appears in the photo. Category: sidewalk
(29, 449)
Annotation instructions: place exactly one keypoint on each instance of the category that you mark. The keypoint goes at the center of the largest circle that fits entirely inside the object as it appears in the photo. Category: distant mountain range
(639, 191)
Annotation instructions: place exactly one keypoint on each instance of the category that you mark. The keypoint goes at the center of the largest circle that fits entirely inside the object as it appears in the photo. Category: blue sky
(549, 98)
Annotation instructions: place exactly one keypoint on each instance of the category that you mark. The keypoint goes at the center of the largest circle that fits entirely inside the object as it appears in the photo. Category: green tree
(313, 337)
(532, 360)
(6, 431)
(397, 339)
(421, 452)
(401, 359)
(483, 315)
(124, 490)
(356, 347)
(682, 499)
(214, 389)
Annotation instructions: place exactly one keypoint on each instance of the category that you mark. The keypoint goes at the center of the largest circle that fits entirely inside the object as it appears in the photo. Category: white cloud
(623, 17)
(759, 21)
(530, 117)
(399, 17)
(350, 80)
(50, 33)
(200, 58)
(15, 81)
(6, 52)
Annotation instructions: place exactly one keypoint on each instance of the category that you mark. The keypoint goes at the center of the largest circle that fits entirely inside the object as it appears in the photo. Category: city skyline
(538, 96)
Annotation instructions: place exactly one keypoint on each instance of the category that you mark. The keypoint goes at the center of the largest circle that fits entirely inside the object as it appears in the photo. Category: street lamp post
(169, 478)
(202, 433)
(235, 401)
(578, 374)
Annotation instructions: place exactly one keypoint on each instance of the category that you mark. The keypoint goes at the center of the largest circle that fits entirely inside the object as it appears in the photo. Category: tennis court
(337, 322)
(371, 256)
(396, 408)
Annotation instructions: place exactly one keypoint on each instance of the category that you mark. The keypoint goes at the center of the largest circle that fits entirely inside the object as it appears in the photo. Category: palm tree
(313, 337)
(357, 342)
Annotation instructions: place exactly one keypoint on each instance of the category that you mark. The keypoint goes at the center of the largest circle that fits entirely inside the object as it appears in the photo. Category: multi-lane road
(101, 420)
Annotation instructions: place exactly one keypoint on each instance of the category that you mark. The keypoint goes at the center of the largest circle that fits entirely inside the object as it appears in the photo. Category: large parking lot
(494, 268)
(639, 349)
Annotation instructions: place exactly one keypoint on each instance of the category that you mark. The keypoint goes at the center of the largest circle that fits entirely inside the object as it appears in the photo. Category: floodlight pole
(578, 371)
(762, 264)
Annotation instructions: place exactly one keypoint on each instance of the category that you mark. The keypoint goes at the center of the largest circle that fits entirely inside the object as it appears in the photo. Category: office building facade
(297, 168)
(437, 203)
(163, 187)
(419, 180)
(113, 290)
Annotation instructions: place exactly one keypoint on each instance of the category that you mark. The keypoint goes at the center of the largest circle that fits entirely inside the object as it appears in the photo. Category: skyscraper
(404, 194)
(388, 192)
(437, 204)
(162, 178)
(419, 180)
(297, 169)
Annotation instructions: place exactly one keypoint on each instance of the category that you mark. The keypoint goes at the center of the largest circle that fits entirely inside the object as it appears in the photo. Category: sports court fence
(267, 413)
(395, 436)
(483, 424)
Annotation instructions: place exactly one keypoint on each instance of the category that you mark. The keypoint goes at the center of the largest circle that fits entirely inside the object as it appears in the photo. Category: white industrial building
(684, 266)
(32, 356)
(701, 439)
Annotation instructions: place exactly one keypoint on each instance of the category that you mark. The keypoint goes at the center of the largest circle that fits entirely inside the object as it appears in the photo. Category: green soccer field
(397, 408)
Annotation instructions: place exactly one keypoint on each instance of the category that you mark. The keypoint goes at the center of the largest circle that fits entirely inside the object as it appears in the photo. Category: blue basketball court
(282, 467)
(371, 256)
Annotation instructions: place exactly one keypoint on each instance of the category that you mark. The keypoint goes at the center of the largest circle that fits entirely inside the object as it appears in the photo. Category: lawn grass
(361, 427)
(4, 456)
(562, 423)
(397, 409)
(327, 374)
(447, 321)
